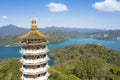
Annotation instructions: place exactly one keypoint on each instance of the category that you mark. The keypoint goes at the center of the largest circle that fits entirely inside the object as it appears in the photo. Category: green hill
(110, 34)
(75, 62)
(54, 36)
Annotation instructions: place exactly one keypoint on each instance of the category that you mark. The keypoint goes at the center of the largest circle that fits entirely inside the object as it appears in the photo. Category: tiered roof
(33, 33)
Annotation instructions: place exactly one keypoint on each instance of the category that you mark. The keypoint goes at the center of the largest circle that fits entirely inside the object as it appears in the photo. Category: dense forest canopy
(75, 62)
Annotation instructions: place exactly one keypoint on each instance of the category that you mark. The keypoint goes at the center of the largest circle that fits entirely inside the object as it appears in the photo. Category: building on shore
(34, 55)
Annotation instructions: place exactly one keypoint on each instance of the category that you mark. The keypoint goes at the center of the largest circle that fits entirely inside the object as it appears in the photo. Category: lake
(13, 51)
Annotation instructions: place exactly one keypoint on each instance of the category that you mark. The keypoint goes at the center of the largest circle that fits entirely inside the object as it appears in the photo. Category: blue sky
(101, 14)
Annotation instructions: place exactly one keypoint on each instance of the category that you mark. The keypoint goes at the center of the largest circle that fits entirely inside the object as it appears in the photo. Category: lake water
(13, 51)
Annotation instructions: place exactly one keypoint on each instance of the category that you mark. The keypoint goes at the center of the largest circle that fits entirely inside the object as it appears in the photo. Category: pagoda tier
(34, 71)
(34, 55)
(34, 61)
(36, 51)
(32, 42)
(42, 76)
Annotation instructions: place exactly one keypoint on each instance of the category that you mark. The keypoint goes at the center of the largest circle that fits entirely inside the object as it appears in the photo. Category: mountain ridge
(13, 30)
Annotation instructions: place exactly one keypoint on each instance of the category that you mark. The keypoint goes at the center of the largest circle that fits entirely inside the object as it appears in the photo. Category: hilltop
(75, 62)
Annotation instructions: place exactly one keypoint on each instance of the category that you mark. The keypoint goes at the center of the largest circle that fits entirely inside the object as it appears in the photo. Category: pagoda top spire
(34, 33)
(34, 26)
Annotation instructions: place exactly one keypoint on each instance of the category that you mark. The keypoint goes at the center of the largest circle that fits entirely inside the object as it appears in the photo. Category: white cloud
(107, 6)
(57, 7)
(4, 17)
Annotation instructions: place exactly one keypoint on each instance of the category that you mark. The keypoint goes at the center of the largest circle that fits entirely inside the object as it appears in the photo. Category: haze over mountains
(13, 30)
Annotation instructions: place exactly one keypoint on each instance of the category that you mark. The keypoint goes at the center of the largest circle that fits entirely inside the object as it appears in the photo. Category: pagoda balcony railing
(34, 52)
(40, 43)
(35, 61)
(35, 71)
(38, 78)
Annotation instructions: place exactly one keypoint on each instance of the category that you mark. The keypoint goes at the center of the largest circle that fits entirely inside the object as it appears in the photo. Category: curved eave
(31, 73)
(38, 78)
(33, 52)
(37, 63)
(33, 33)
(35, 71)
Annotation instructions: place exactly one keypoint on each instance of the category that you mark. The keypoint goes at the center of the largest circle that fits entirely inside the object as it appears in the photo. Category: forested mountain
(12, 30)
(9, 34)
(75, 62)
(54, 36)
(110, 34)
(81, 30)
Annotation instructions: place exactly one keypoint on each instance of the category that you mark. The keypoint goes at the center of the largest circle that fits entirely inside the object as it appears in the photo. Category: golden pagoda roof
(33, 33)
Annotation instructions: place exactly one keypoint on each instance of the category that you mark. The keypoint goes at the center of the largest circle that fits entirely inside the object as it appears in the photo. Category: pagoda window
(43, 46)
(42, 56)
(37, 56)
(25, 66)
(25, 57)
(45, 55)
(43, 65)
(37, 47)
(38, 66)
(43, 74)
(25, 75)
(25, 48)
(38, 75)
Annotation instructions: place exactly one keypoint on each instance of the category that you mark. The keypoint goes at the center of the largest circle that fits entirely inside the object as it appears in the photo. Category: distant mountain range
(110, 34)
(12, 30)
(9, 34)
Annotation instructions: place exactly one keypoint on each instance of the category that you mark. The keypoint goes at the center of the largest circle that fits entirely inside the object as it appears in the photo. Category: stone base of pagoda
(38, 78)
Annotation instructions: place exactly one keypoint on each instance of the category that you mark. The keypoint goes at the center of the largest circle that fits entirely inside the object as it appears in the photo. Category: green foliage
(9, 40)
(9, 69)
(59, 35)
(76, 62)
(57, 75)
(88, 62)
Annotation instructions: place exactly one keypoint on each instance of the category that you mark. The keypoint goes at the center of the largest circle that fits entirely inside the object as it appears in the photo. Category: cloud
(57, 7)
(107, 6)
(4, 17)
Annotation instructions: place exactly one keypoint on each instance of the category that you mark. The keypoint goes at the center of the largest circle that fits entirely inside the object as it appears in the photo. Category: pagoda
(34, 55)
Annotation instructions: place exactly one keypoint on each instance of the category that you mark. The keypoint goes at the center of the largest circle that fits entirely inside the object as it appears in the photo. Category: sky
(99, 14)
